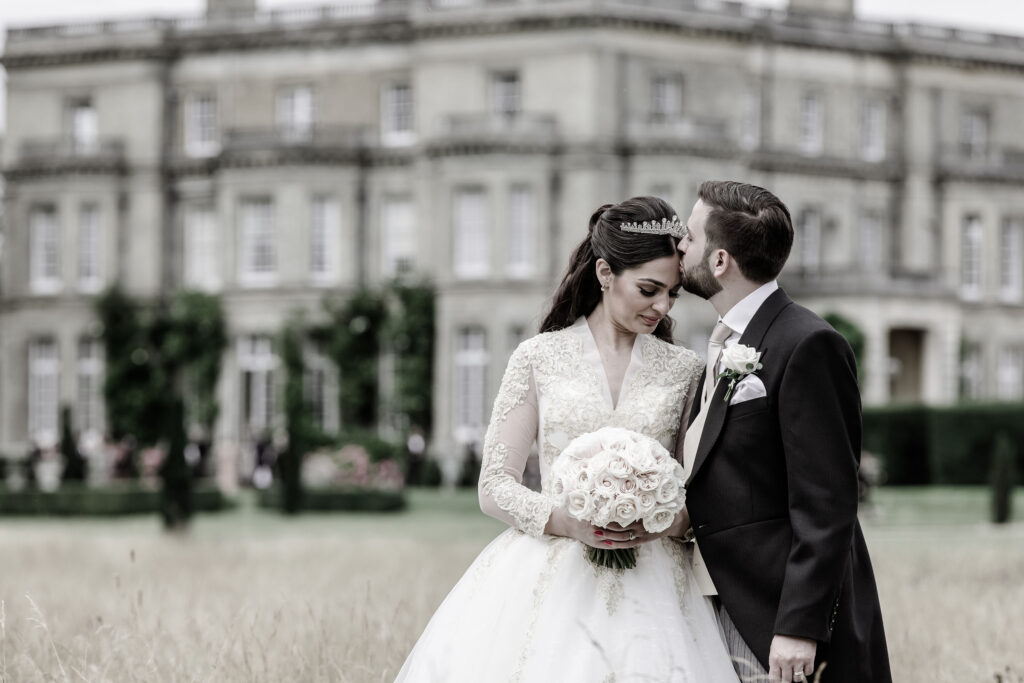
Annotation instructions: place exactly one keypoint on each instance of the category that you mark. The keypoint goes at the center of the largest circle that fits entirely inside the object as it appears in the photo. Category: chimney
(230, 9)
(842, 9)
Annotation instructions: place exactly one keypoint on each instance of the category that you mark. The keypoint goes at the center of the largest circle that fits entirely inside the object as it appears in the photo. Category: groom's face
(694, 261)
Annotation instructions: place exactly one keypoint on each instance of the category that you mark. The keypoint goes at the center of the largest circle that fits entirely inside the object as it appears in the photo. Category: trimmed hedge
(332, 500)
(943, 445)
(74, 500)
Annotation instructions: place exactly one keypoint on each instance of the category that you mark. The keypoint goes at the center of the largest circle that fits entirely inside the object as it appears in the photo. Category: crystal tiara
(663, 227)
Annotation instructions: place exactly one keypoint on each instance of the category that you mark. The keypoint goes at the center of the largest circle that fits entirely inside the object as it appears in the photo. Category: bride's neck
(607, 333)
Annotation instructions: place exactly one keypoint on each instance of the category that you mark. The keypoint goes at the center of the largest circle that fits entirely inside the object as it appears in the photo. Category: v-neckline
(614, 402)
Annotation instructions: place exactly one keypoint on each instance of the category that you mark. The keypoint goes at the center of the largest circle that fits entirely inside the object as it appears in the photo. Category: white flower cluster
(617, 475)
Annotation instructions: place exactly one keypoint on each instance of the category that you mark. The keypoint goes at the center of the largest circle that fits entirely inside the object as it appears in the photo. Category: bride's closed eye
(673, 293)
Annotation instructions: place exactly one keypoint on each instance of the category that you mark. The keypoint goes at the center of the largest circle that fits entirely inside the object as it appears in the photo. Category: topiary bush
(1002, 478)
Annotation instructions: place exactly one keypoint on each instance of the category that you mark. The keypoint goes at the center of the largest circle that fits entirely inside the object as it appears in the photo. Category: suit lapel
(717, 408)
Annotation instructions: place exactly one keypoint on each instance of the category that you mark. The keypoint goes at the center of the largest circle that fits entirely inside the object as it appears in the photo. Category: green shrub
(77, 500)
(334, 500)
(899, 436)
(377, 448)
(963, 440)
(943, 445)
(1002, 478)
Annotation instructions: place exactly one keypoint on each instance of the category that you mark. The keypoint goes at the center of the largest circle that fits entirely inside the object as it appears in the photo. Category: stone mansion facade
(273, 156)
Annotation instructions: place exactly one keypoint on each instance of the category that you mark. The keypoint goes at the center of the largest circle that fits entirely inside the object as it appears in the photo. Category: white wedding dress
(531, 608)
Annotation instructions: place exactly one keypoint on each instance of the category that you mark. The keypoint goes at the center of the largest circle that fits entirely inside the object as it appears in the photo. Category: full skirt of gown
(534, 609)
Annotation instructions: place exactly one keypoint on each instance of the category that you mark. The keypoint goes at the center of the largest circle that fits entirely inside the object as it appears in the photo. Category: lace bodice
(554, 389)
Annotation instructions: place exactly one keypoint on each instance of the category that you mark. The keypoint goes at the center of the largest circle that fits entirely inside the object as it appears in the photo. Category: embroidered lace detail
(553, 392)
(528, 510)
(556, 554)
(680, 561)
(609, 585)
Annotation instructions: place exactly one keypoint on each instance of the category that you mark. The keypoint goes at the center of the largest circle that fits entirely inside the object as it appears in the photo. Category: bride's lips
(650, 321)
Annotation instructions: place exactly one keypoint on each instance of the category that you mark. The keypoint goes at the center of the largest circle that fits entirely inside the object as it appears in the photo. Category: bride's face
(638, 298)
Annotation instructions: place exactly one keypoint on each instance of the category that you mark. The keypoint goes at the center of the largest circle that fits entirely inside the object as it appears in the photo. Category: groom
(772, 464)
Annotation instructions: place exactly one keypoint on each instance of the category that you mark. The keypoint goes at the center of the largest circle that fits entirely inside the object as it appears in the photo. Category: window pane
(44, 257)
(89, 247)
(472, 234)
(506, 95)
(89, 407)
(873, 135)
(84, 127)
(259, 250)
(470, 384)
(970, 258)
(811, 124)
(202, 247)
(398, 239)
(324, 228)
(520, 232)
(201, 125)
(1011, 260)
(43, 373)
(810, 240)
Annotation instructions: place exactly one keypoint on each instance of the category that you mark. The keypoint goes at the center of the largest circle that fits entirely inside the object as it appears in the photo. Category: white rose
(581, 478)
(741, 359)
(659, 520)
(619, 467)
(615, 438)
(646, 502)
(580, 505)
(627, 485)
(558, 485)
(584, 446)
(605, 483)
(626, 509)
(648, 481)
(645, 461)
(667, 491)
(603, 510)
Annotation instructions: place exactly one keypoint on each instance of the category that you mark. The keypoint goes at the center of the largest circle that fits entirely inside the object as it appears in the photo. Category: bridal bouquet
(617, 475)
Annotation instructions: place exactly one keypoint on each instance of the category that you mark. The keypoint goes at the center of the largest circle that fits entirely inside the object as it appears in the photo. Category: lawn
(252, 596)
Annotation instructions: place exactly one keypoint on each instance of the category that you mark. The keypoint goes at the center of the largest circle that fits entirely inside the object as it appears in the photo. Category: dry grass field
(250, 596)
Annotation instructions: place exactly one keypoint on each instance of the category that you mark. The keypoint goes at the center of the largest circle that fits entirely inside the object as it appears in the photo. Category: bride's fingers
(615, 536)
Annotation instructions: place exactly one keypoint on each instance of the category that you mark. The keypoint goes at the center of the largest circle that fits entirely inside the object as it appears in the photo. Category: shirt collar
(740, 315)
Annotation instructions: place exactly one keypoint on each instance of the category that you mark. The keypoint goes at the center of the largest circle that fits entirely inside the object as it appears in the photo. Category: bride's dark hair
(580, 292)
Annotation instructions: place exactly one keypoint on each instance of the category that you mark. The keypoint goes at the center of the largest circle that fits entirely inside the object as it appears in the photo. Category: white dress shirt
(739, 316)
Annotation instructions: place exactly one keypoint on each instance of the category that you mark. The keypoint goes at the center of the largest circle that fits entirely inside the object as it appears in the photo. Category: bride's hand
(560, 523)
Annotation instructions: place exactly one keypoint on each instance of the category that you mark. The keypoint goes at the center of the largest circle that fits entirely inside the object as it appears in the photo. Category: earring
(604, 286)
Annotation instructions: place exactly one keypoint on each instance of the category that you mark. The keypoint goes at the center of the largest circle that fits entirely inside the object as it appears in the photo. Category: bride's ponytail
(579, 292)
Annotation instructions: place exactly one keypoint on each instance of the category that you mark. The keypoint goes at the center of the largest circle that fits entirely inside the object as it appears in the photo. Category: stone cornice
(779, 161)
(909, 42)
(29, 169)
(351, 156)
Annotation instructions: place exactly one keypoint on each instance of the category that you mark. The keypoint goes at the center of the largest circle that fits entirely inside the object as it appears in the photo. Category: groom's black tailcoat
(773, 499)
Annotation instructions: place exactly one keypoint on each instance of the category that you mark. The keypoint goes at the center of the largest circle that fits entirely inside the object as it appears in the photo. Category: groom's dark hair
(750, 223)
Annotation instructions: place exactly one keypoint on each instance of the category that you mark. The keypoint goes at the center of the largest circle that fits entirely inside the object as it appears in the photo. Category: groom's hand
(789, 655)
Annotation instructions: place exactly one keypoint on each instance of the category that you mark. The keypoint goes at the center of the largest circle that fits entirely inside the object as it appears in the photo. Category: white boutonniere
(738, 361)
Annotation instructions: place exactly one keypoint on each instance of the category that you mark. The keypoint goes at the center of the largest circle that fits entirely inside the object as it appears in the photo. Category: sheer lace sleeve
(512, 431)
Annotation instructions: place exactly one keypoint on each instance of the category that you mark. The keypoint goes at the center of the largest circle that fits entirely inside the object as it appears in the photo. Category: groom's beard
(700, 280)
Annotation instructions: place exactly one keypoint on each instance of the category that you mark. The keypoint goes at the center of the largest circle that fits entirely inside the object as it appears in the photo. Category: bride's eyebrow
(652, 281)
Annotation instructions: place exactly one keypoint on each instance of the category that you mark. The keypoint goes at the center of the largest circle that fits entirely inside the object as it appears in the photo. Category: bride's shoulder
(544, 342)
(684, 359)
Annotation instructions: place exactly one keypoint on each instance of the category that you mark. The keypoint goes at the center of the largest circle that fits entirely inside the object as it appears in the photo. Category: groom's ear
(721, 262)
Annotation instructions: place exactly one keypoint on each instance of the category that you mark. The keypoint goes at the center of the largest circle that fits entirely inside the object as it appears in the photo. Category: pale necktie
(718, 337)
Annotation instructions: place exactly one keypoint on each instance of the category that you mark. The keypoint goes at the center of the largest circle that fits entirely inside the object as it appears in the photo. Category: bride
(532, 607)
